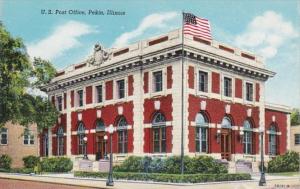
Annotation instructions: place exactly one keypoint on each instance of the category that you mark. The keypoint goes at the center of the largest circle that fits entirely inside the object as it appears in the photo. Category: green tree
(16, 74)
(295, 117)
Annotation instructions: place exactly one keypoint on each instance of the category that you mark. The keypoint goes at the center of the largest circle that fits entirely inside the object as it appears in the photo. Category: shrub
(56, 164)
(171, 165)
(159, 177)
(30, 161)
(288, 162)
(5, 161)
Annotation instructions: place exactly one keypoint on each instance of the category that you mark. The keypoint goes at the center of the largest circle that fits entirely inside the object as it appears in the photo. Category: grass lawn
(285, 174)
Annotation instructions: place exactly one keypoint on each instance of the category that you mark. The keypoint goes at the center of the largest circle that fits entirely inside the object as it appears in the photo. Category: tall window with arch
(159, 133)
(60, 141)
(122, 135)
(81, 135)
(247, 140)
(226, 123)
(272, 140)
(201, 133)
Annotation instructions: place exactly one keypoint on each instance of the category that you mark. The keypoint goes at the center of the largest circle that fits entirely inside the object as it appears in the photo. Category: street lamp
(110, 181)
(262, 180)
(85, 152)
(105, 152)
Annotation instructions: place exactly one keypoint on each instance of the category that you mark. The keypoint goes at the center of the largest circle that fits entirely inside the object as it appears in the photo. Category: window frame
(206, 78)
(78, 105)
(29, 137)
(249, 97)
(120, 91)
(59, 102)
(122, 130)
(230, 88)
(80, 136)
(295, 141)
(272, 141)
(4, 133)
(60, 141)
(159, 129)
(248, 137)
(97, 93)
(202, 126)
(154, 82)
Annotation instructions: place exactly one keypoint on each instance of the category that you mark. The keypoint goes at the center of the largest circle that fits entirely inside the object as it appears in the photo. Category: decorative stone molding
(227, 109)
(59, 120)
(120, 110)
(249, 112)
(235, 128)
(273, 118)
(79, 116)
(98, 113)
(157, 105)
(203, 105)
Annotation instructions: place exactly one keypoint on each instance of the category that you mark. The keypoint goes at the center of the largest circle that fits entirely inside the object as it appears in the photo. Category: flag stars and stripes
(197, 27)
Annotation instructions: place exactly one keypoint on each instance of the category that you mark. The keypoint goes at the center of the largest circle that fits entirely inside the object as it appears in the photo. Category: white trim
(74, 133)
(147, 125)
(235, 128)
(168, 123)
(193, 123)
(92, 130)
(219, 126)
(211, 125)
(86, 132)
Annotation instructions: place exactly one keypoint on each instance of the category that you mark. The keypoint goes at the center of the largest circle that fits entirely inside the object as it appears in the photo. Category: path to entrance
(69, 180)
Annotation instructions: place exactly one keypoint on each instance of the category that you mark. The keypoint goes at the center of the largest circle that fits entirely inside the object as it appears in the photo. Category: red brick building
(143, 92)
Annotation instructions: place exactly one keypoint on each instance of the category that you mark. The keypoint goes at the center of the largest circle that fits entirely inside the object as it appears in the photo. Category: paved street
(66, 181)
(19, 184)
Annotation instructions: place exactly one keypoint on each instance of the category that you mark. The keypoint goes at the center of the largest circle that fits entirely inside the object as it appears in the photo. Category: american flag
(198, 27)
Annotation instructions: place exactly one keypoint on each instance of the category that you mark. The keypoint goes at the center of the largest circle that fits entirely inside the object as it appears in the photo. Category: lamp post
(85, 151)
(262, 180)
(105, 152)
(110, 181)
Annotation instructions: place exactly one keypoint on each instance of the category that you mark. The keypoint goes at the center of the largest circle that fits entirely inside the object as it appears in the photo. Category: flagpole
(182, 98)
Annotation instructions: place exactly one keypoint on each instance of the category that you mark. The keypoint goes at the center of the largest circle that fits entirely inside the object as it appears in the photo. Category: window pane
(203, 81)
(227, 87)
(80, 97)
(59, 103)
(249, 91)
(157, 79)
(99, 93)
(121, 88)
(297, 138)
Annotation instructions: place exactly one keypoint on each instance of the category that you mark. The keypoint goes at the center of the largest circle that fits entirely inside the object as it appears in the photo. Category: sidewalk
(69, 179)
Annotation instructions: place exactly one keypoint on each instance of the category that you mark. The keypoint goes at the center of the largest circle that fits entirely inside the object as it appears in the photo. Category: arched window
(159, 133)
(60, 141)
(100, 125)
(247, 141)
(81, 135)
(272, 140)
(201, 133)
(226, 123)
(122, 135)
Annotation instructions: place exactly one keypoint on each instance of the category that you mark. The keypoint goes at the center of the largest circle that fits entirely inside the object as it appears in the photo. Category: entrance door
(100, 145)
(225, 144)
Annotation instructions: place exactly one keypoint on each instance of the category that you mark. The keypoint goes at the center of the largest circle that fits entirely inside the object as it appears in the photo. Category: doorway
(226, 144)
(100, 145)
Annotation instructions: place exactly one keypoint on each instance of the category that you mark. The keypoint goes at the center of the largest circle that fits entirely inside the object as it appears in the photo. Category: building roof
(278, 107)
(158, 48)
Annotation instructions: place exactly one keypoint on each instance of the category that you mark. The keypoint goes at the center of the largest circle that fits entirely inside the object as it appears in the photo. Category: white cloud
(64, 37)
(156, 21)
(266, 33)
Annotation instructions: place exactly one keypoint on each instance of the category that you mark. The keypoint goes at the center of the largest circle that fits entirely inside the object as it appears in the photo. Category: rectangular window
(80, 98)
(3, 136)
(272, 144)
(297, 139)
(249, 91)
(121, 88)
(122, 141)
(81, 145)
(201, 139)
(227, 86)
(157, 81)
(60, 141)
(247, 142)
(99, 93)
(203, 81)
(59, 103)
(159, 140)
(28, 139)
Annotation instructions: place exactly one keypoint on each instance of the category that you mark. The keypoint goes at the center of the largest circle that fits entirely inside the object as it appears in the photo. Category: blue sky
(269, 28)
